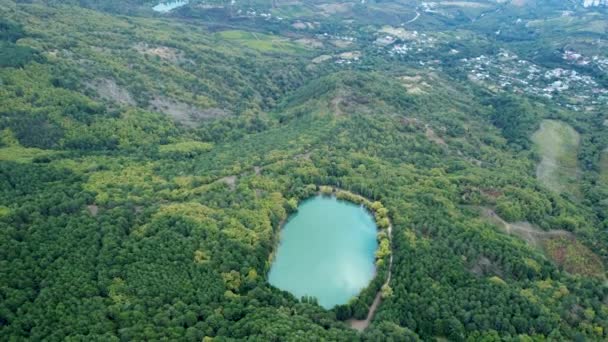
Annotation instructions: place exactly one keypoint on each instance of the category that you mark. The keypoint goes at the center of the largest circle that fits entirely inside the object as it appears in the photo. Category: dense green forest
(148, 161)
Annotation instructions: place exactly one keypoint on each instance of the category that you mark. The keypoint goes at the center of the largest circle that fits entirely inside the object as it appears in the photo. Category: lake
(169, 5)
(327, 251)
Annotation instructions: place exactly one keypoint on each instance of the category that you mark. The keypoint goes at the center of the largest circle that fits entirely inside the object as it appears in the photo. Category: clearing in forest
(11, 150)
(604, 167)
(108, 89)
(261, 42)
(20, 154)
(560, 246)
(557, 143)
(468, 4)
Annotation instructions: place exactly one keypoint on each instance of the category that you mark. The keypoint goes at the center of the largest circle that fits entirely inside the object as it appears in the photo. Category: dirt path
(559, 246)
(415, 18)
(362, 324)
(531, 234)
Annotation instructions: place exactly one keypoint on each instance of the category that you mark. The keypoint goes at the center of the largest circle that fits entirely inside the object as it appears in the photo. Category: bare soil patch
(491, 193)
(350, 55)
(309, 42)
(299, 25)
(185, 113)
(230, 181)
(416, 84)
(93, 209)
(321, 59)
(485, 267)
(534, 236)
(340, 43)
(303, 156)
(573, 256)
(335, 104)
(411, 122)
(344, 102)
(560, 246)
(164, 52)
(399, 32)
(362, 324)
(338, 8)
(465, 4)
(108, 90)
(432, 136)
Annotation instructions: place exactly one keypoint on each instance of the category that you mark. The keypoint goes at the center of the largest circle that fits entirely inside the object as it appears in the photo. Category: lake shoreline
(383, 225)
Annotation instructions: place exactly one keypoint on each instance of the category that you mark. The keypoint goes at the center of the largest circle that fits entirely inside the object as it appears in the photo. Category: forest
(148, 161)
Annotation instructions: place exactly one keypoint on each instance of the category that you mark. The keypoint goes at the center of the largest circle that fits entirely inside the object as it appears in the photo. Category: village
(567, 87)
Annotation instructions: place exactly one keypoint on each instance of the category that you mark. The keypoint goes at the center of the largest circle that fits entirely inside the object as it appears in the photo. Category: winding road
(415, 18)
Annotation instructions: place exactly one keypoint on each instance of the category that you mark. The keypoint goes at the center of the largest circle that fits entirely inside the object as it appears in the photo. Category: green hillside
(148, 161)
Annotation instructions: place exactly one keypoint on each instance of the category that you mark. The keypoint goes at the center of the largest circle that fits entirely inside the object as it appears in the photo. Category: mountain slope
(147, 164)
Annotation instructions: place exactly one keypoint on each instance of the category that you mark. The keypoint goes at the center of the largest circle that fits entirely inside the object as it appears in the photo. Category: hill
(147, 162)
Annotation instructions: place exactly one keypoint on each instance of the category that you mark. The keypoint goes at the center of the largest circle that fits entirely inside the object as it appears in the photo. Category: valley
(154, 159)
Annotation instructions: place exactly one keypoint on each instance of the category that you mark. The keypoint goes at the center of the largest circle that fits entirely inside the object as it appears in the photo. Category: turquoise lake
(327, 251)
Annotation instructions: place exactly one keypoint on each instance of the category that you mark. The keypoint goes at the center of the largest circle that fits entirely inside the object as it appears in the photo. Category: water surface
(326, 251)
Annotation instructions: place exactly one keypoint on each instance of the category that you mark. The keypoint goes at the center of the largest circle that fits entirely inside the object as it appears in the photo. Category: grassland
(604, 167)
(557, 143)
(261, 42)
(22, 154)
(293, 11)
